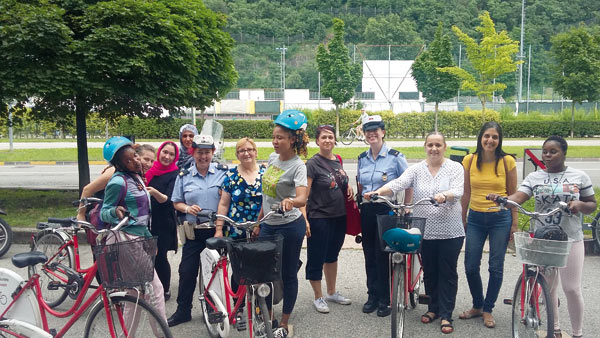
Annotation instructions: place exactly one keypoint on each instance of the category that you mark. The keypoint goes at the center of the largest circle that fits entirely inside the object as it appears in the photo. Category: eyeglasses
(249, 151)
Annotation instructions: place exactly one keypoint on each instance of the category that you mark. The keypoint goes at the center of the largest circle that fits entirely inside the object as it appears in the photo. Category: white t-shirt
(550, 188)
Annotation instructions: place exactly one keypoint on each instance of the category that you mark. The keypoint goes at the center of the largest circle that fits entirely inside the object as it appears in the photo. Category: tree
(435, 85)
(340, 76)
(577, 53)
(391, 30)
(490, 58)
(116, 57)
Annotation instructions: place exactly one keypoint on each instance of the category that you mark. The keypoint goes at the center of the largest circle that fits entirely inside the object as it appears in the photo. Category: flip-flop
(428, 317)
(447, 328)
(472, 313)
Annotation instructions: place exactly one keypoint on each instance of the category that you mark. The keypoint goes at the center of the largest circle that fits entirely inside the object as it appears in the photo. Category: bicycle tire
(6, 236)
(49, 242)
(596, 231)
(261, 318)
(213, 329)
(348, 137)
(148, 323)
(398, 300)
(535, 321)
(413, 296)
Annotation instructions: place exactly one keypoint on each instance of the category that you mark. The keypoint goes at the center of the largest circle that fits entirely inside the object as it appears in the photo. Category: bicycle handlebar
(422, 201)
(86, 201)
(503, 201)
(213, 216)
(75, 224)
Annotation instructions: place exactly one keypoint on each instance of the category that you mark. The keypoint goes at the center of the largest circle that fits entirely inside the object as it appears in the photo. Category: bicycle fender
(224, 331)
(64, 236)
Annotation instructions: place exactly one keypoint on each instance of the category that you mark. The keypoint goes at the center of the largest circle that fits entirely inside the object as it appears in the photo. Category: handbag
(552, 232)
(353, 227)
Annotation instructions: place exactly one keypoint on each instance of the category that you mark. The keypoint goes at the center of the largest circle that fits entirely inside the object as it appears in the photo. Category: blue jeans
(293, 234)
(480, 225)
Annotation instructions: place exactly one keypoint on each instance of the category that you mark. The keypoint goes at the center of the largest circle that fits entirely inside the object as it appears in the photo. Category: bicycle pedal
(216, 317)
(54, 285)
(240, 324)
(423, 299)
(507, 301)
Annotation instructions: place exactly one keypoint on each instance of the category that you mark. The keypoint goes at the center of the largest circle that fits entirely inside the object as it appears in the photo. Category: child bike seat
(403, 240)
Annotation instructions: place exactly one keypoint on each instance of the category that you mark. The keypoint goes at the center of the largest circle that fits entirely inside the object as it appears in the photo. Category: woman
(561, 183)
(126, 192)
(488, 169)
(326, 211)
(441, 179)
(376, 167)
(196, 188)
(284, 183)
(161, 179)
(186, 137)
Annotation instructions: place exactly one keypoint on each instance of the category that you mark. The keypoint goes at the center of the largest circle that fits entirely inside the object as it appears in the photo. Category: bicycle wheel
(261, 322)
(216, 328)
(348, 137)
(532, 313)
(596, 231)
(49, 242)
(5, 237)
(398, 300)
(413, 296)
(131, 317)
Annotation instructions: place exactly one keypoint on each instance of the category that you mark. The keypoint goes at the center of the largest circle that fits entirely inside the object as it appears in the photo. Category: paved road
(66, 176)
(349, 321)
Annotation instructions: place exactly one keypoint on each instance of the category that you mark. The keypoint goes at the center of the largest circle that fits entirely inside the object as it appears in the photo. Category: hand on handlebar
(496, 198)
(194, 210)
(371, 195)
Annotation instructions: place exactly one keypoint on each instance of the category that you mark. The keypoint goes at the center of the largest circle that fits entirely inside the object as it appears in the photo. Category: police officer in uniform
(196, 188)
(376, 167)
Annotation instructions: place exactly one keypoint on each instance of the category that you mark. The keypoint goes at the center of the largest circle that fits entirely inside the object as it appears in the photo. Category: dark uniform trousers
(376, 260)
(189, 267)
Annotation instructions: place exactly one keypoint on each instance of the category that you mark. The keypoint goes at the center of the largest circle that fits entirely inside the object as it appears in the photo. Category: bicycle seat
(24, 259)
(403, 240)
(216, 243)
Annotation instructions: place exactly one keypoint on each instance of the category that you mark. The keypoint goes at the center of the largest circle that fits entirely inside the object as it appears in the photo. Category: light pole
(282, 50)
(521, 57)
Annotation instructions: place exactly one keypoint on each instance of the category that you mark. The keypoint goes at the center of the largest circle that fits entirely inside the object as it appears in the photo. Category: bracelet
(187, 208)
(291, 199)
(445, 197)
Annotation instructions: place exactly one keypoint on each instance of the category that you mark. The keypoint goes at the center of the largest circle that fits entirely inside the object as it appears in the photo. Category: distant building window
(316, 96)
(273, 95)
(233, 95)
(408, 95)
(364, 95)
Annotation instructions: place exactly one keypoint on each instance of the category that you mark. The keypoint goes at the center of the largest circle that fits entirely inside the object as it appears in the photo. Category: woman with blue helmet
(285, 183)
(126, 192)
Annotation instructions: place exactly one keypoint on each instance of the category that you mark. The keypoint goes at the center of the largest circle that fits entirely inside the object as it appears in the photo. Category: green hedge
(546, 128)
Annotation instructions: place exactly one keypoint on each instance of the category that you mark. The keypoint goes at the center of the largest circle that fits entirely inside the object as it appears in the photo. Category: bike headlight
(397, 257)
(263, 290)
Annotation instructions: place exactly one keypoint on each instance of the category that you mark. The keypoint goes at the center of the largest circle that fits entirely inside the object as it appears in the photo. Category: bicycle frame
(73, 242)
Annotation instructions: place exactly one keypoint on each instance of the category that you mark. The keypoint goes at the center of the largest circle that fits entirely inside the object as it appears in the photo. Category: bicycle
(61, 244)
(111, 313)
(595, 228)
(255, 273)
(459, 158)
(532, 312)
(350, 135)
(406, 277)
(5, 235)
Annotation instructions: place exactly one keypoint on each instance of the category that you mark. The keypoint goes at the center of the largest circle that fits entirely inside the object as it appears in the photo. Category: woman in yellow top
(487, 170)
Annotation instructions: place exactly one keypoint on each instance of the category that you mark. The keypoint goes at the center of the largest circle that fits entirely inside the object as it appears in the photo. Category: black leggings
(162, 266)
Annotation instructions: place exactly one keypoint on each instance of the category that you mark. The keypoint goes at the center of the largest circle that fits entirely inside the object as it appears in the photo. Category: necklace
(559, 180)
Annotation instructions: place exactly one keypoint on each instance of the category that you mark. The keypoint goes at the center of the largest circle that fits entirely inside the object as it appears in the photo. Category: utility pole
(10, 126)
(282, 50)
(459, 60)
(521, 56)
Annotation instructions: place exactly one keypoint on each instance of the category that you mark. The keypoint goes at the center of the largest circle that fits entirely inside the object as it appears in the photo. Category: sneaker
(321, 305)
(280, 332)
(338, 298)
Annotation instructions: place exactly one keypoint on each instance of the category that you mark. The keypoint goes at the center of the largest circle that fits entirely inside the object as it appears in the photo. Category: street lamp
(521, 56)
(282, 50)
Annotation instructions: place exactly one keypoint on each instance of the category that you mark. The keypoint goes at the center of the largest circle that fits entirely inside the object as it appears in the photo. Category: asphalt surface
(349, 321)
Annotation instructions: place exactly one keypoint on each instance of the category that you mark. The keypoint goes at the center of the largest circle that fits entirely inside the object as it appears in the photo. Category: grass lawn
(27, 207)
(95, 154)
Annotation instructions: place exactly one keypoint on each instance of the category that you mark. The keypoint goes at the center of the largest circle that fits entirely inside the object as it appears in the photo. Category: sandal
(471, 313)
(488, 320)
(557, 333)
(447, 327)
(428, 317)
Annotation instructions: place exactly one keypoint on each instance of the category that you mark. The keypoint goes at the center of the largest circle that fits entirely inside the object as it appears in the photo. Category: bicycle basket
(542, 252)
(387, 222)
(126, 264)
(256, 260)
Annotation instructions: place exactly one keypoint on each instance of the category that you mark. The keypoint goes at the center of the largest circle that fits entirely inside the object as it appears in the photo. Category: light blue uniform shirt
(193, 188)
(374, 173)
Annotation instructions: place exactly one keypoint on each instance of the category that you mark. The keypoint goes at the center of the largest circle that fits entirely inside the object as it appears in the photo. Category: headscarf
(158, 168)
(184, 153)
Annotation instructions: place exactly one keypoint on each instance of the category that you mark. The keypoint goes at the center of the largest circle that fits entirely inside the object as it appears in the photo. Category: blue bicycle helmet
(113, 145)
(403, 240)
(292, 119)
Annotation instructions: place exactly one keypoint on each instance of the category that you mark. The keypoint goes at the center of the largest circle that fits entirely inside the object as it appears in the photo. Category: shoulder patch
(222, 166)
(394, 152)
(363, 154)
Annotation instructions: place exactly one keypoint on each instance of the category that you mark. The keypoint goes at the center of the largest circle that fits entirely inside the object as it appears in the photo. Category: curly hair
(300, 140)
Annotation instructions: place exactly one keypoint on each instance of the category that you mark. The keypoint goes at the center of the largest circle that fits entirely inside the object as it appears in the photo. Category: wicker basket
(387, 222)
(126, 264)
(541, 252)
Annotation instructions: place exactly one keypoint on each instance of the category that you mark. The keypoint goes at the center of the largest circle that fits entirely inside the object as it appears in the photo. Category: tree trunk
(436, 117)
(572, 117)
(82, 149)
(482, 108)
(337, 122)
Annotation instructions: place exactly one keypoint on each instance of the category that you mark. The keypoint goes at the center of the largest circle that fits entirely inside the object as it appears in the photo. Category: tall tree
(490, 58)
(577, 53)
(340, 76)
(114, 57)
(436, 86)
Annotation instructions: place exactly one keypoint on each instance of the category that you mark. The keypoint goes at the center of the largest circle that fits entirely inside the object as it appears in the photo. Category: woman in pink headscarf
(161, 179)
